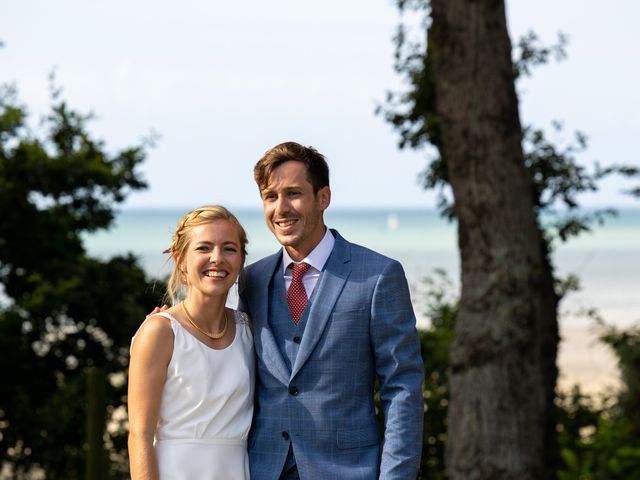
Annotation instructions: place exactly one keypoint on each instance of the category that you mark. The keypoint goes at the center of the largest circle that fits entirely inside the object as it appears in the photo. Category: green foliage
(558, 178)
(626, 346)
(441, 311)
(530, 52)
(599, 437)
(606, 447)
(578, 416)
(61, 185)
(62, 311)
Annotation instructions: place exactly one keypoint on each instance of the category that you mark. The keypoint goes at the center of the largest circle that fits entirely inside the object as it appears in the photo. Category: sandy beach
(584, 360)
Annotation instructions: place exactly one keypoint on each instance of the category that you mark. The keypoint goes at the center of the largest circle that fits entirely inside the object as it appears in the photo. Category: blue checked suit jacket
(361, 325)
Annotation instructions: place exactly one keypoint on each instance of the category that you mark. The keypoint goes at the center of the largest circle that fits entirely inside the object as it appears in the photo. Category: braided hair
(182, 236)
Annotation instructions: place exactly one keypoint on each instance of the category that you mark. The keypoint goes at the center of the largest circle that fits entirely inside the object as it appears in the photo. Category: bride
(191, 373)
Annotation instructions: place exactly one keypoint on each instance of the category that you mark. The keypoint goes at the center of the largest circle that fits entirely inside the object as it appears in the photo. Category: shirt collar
(317, 257)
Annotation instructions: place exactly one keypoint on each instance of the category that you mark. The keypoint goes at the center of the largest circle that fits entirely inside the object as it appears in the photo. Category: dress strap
(172, 319)
(242, 321)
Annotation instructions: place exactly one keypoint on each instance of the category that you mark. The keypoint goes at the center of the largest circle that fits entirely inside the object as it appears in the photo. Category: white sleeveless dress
(207, 407)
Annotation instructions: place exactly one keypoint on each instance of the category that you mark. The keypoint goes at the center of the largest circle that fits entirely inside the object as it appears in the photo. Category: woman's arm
(150, 356)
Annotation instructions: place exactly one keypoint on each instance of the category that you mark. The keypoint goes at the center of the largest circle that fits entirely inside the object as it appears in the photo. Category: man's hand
(158, 310)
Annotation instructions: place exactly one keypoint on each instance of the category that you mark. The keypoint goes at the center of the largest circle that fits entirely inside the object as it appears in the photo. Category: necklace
(212, 336)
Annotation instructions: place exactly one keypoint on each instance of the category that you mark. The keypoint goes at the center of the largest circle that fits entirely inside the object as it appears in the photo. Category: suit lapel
(327, 291)
(265, 343)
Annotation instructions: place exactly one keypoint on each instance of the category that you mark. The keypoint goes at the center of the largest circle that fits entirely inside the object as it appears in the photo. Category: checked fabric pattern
(297, 296)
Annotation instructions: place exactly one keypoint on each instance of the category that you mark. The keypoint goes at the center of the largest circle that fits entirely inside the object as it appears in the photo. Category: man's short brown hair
(317, 168)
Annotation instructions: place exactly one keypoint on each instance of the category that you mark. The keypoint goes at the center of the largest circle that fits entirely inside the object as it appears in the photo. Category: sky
(221, 82)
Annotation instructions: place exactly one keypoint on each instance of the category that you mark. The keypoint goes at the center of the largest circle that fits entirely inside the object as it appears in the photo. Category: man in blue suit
(329, 317)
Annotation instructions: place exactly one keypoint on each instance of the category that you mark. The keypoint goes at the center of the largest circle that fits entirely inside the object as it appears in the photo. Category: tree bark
(503, 359)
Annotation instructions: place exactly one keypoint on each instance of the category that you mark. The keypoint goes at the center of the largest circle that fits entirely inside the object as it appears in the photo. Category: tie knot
(299, 269)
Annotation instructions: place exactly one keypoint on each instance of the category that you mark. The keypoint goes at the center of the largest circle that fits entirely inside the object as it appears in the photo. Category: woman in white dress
(191, 373)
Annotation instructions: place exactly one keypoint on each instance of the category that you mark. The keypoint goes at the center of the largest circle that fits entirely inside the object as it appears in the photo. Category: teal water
(607, 260)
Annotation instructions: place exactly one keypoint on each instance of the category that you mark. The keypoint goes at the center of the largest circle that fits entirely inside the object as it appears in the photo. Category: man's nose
(282, 205)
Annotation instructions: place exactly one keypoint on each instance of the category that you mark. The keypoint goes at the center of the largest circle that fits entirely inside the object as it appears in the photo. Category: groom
(329, 316)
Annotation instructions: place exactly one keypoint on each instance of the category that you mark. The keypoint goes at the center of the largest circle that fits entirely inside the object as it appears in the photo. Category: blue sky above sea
(220, 82)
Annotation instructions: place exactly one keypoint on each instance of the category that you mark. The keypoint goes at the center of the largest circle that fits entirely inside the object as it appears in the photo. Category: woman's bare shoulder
(155, 330)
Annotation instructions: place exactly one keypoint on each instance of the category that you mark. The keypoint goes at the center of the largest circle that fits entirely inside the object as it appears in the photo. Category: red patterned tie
(297, 296)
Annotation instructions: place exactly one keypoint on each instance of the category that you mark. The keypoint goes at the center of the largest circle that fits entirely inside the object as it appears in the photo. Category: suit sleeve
(401, 372)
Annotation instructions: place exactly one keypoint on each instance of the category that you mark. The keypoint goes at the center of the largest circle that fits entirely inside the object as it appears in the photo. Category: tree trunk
(503, 372)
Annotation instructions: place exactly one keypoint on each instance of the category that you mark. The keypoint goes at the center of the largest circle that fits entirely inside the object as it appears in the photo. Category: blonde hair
(182, 237)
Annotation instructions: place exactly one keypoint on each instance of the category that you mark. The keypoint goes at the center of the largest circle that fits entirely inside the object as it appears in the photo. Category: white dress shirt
(317, 258)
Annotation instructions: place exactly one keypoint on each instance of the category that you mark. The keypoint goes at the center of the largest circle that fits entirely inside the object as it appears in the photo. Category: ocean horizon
(607, 260)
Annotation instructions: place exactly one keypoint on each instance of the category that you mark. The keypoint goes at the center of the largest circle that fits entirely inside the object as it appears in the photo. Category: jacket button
(296, 339)
(293, 390)
(285, 435)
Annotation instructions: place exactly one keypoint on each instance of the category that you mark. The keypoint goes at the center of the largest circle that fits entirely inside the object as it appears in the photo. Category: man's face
(292, 211)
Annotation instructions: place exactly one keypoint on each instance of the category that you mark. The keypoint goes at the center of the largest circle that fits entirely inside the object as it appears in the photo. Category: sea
(606, 260)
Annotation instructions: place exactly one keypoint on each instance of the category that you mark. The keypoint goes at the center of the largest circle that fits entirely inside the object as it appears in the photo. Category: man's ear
(324, 195)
